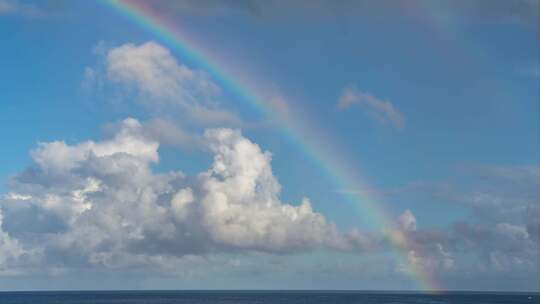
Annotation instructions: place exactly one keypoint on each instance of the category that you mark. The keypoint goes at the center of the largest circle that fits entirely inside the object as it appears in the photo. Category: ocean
(262, 297)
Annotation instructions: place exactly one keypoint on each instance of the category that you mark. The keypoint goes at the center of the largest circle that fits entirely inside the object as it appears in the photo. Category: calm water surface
(260, 297)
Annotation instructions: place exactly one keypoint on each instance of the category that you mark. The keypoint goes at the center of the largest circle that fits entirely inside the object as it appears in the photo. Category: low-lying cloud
(100, 204)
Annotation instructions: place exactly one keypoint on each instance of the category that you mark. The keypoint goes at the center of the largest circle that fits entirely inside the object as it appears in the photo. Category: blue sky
(436, 105)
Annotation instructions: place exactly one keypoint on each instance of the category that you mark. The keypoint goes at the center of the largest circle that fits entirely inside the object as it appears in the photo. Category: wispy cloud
(384, 111)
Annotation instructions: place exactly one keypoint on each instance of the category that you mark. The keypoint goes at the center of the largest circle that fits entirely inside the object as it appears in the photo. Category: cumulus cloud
(242, 206)
(153, 69)
(99, 203)
(383, 111)
(159, 82)
(166, 132)
(14, 258)
(9, 248)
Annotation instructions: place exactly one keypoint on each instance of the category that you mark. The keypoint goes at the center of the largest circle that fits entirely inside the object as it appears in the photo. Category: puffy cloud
(8, 247)
(241, 203)
(99, 203)
(167, 133)
(383, 111)
(151, 68)
(159, 81)
(13, 256)
(58, 156)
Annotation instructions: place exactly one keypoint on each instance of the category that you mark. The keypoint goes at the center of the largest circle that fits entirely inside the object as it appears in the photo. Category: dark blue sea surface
(261, 297)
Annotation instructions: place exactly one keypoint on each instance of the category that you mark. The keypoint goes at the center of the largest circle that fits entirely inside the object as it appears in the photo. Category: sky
(389, 145)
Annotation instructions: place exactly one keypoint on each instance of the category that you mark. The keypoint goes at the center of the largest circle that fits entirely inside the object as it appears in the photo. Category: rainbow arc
(307, 137)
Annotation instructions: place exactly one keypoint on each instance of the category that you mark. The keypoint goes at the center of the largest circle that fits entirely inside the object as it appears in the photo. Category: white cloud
(17, 197)
(159, 82)
(241, 204)
(10, 252)
(99, 204)
(153, 69)
(58, 156)
(114, 211)
(8, 247)
(167, 133)
(383, 111)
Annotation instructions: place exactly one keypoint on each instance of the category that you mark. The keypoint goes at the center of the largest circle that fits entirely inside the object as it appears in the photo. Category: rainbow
(307, 137)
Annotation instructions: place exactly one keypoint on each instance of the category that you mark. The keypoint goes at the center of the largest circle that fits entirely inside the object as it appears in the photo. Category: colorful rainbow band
(296, 129)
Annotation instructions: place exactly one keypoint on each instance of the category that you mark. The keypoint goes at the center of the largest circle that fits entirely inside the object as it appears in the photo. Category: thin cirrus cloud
(383, 111)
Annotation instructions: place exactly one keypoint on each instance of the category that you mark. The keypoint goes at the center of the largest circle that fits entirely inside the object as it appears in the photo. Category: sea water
(262, 297)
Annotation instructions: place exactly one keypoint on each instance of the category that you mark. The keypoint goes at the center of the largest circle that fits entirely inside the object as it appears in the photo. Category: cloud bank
(499, 237)
(99, 204)
(102, 205)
